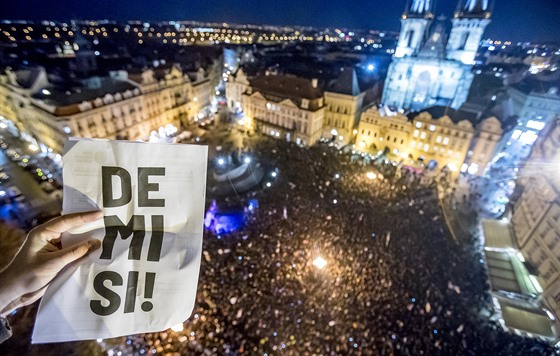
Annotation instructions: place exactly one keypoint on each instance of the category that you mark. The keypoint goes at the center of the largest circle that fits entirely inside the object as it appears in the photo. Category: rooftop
(60, 96)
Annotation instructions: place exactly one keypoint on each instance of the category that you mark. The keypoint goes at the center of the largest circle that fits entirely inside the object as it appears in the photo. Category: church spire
(419, 8)
(474, 8)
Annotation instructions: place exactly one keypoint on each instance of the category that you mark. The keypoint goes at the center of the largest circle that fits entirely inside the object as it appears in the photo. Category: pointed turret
(474, 9)
(414, 21)
(419, 9)
(469, 22)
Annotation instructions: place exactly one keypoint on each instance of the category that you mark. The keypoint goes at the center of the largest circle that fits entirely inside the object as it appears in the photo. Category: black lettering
(145, 187)
(126, 186)
(131, 288)
(114, 226)
(114, 300)
(154, 252)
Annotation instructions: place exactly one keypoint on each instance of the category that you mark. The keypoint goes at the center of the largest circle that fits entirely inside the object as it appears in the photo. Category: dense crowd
(395, 283)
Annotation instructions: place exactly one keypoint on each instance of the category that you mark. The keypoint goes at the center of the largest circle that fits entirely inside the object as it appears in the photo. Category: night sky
(516, 20)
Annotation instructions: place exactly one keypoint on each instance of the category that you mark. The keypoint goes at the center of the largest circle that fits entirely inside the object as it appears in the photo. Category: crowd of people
(395, 282)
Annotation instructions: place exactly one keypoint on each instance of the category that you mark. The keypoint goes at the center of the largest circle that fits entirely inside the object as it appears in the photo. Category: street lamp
(319, 262)
(247, 160)
(221, 161)
(177, 328)
(371, 175)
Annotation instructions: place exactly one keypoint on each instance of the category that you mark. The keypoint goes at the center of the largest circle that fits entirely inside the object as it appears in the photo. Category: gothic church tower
(427, 69)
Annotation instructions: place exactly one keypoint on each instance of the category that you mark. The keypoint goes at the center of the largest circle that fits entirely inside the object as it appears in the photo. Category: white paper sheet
(109, 294)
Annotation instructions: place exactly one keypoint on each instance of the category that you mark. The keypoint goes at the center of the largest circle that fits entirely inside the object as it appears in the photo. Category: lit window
(537, 125)
(438, 139)
(418, 124)
(415, 133)
(419, 145)
(445, 140)
(423, 135)
(516, 134)
(432, 127)
(426, 147)
(528, 138)
(412, 143)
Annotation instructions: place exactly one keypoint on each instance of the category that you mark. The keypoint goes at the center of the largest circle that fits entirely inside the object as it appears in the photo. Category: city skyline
(510, 21)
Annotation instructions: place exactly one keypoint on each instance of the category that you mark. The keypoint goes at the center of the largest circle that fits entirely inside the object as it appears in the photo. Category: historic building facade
(488, 134)
(122, 106)
(438, 142)
(428, 69)
(343, 105)
(283, 106)
(536, 214)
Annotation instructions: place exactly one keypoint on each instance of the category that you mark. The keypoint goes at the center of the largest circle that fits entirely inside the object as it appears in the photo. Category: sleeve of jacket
(5, 330)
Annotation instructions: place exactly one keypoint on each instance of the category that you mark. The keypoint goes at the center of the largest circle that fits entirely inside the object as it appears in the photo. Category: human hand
(40, 259)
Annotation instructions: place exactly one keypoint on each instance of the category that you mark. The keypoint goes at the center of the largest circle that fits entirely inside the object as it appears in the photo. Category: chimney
(314, 82)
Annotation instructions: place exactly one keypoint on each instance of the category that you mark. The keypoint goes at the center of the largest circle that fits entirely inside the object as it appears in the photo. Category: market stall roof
(497, 234)
(527, 319)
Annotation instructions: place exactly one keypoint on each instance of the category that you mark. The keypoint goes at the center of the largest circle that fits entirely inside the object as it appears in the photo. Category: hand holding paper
(144, 276)
(41, 258)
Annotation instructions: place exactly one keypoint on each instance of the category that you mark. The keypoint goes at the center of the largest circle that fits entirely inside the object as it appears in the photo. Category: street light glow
(221, 161)
(319, 262)
(177, 328)
(371, 175)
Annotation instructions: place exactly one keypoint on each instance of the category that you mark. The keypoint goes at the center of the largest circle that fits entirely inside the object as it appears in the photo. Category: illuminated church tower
(469, 21)
(427, 69)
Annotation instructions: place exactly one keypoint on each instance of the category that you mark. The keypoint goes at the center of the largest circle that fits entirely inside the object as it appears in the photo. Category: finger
(53, 228)
(26, 299)
(71, 254)
(32, 297)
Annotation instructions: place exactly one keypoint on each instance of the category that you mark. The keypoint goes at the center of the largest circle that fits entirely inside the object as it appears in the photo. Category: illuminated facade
(343, 101)
(438, 142)
(236, 85)
(123, 105)
(536, 214)
(285, 107)
(427, 69)
(488, 134)
(535, 103)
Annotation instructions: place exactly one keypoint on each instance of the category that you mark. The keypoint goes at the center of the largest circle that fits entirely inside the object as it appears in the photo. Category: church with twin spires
(431, 67)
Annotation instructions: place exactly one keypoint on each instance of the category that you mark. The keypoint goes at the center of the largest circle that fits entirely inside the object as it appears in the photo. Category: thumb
(71, 254)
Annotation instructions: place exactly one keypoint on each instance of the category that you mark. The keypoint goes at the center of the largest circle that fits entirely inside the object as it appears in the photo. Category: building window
(445, 140)
(426, 147)
(438, 139)
(422, 135)
(418, 124)
(432, 128)
(415, 133)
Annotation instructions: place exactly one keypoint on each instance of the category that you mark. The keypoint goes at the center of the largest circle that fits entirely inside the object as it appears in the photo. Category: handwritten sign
(144, 276)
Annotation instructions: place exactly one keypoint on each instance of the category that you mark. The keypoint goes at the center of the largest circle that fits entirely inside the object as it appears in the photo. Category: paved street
(37, 202)
(460, 210)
